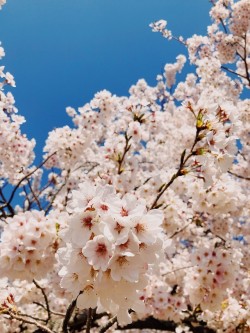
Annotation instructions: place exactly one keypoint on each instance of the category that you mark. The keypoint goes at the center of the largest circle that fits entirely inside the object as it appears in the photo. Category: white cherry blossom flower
(98, 252)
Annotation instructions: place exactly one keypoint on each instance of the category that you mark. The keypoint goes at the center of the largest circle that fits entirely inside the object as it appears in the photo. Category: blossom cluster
(214, 271)
(30, 254)
(16, 150)
(163, 301)
(111, 245)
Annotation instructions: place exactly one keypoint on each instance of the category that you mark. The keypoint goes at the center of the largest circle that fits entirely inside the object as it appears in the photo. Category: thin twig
(32, 317)
(223, 25)
(51, 311)
(126, 149)
(221, 21)
(179, 231)
(245, 60)
(238, 176)
(34, 195)
(27, 199)
(178, 269)
(92, 165)
(57, 192)
(31, 322)
(45, 299)
(233, 72)
(40, 304)
(165, 187)
(89, 320)
(61, 314)
(110, 323)
(24, 178)
(180, 172)
(145, 182)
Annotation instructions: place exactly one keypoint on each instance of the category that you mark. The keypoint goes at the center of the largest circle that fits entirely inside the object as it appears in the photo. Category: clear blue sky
(63, 51)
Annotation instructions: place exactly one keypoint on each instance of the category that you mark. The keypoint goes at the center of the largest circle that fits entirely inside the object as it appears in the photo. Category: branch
(27, 321)
(45, 187)
(180, 230)
(164, 188)
(56, 193)
(24, 178)
(6, 204)
(221, 21)
(92, 165)
(89, 320)
(238, 176)
(34, 195)
(61, 314)
(162, 325)
(177, 269)
(179, 40)
(68, 315)
(145, 182)
(233, 72)
(183, 160)
(32, 317)
(27, 199)
(110, 323)
(126, 149)
(39, 304)
(51, 311)
(245, 60)
(45, 299)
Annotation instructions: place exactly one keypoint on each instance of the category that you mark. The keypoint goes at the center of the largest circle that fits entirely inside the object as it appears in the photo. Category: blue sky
(63, 51)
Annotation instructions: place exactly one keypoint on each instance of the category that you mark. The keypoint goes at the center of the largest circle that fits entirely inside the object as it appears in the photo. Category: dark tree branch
(110, 323)
(89, 320)
(126, 149)
(152, 323)
(180, 172)
(238, 176)
(68, 315)
(233, 72)
(45, 299)
(34, 195)
(6, 204)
